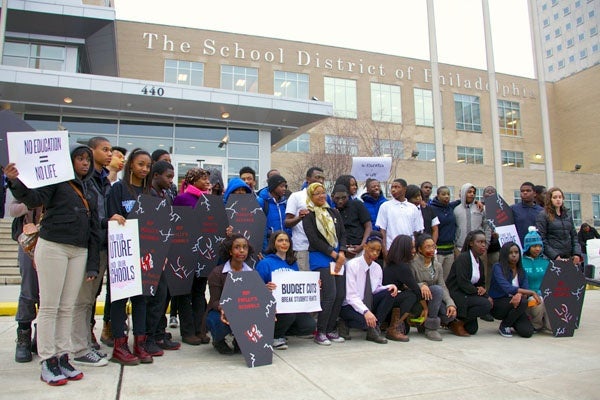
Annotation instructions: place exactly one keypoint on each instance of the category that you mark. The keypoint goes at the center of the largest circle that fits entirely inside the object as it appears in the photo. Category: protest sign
(124, 270)
(43, 158)
(563, 291)
(296, 291)
(210, 210)
(499, 217)
(247, 217)
(153, 215)
(378, 168)
(10, 122)
(250, 309)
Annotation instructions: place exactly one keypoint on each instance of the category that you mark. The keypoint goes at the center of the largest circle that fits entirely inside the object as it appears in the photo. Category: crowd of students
(384, 265)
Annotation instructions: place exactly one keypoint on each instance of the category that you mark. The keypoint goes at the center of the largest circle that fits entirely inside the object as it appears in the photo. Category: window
(570, 42)
(342, 93)
(551, 68)
(559, 48)
(466, 110)
(548, 53)
(516, 196)
(423, 107)
(571, 59)
(389, 148)
(40, 56)
(581, 37)
(299, 145)
(546, 22)
(345, 145)
(566, 10)
(386, 103)
(591, 14)
(240, 79)
(291, 84)
(583, 54)
(594, 31)
(579, 21)
(547, 37)
(596, 208)
(509, 114)
(578, 4)
(469, 155)
(544, 7)
(568, 26)
(426, 151)
(557, 32)
(184, 72)
(573, 203)
(561, 64)
(555, 16)
(595, 48)
(512, 159)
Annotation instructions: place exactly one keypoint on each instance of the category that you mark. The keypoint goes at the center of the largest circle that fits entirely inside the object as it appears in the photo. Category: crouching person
(367, 301)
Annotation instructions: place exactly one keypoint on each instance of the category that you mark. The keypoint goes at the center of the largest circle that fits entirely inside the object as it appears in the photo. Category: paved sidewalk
(485, 366)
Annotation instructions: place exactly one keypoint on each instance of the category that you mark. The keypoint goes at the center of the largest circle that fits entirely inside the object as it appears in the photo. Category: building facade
(227, 100)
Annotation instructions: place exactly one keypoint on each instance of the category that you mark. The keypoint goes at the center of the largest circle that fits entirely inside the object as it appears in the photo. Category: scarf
(195, 191)
(325, 224)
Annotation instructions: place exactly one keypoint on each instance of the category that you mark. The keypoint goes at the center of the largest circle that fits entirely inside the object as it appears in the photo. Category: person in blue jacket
(279, 256)
(235, 186)
(510, 291)
(274, 205)
(373, 199)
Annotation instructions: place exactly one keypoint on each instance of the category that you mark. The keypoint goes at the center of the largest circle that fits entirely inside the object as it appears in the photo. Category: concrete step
(9, 271)
(10, 280)
(8, 262)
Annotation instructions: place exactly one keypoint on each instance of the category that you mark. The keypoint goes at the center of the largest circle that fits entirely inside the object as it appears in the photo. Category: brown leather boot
(106, 336)
(458, 328)
(139, 349)
(395, 330)
(121, 353)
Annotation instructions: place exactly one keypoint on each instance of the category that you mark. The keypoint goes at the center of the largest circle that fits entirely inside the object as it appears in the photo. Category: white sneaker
(91, 359)
(173, 322)
(280, 344)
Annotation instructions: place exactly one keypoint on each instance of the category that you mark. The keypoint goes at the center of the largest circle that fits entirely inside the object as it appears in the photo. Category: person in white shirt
(368, 301)
(398, 216)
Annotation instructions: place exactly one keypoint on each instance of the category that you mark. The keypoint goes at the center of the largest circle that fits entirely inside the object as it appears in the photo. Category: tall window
(291, 84)
(391, 148)
(345, 145)
(469, 155)
(240, 79)
(40, 56)
(467, 113)
(426, 151)
(299, 145)
(573, 203)
(423, 107)
(342, 93)
(596, 208)
(386, 104)
(517, 196)
(184, 72)
(509, 114)
(512, 159)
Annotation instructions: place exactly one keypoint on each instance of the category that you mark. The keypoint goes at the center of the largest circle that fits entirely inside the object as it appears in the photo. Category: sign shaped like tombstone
(563, 291)
(250, 309)
(153, 215)
(182, 260)
(10, 122)
(499, 216)
(213, 223)
(247, 217)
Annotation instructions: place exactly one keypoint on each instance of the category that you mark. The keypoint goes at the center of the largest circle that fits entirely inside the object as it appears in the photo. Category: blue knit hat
(532, 238)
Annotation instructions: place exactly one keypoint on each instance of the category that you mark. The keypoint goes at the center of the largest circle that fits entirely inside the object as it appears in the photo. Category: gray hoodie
(463, 212)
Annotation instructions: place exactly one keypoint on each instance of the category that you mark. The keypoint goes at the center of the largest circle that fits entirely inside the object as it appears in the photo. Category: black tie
(368, 292)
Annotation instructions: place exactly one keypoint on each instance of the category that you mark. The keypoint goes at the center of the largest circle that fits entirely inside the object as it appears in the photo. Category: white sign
(508, 233)
(296, 291)
(378, 168)
(124, 270)
(43, 157)
(593, 253)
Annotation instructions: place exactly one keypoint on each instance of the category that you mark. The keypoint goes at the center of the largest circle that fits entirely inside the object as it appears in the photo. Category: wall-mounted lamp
(538, 156)
(314, 98)
(68, 100)
(224, 115)
(577, 167)
(414, 154)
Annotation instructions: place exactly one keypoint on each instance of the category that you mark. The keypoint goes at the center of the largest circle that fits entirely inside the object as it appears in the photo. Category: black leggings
(513, 317)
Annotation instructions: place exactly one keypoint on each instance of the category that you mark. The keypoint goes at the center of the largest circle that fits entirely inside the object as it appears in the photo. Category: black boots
(23, 350)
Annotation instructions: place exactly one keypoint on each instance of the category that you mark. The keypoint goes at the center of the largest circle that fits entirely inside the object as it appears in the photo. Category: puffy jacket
(373, 205)
(66, 219)
(275, 214)
(559, 235)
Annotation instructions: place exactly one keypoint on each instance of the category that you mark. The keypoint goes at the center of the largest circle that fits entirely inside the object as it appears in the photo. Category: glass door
(182, 163)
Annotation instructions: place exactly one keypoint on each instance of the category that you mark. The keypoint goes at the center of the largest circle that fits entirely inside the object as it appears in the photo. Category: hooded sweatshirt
(468, 218)
(233, 185)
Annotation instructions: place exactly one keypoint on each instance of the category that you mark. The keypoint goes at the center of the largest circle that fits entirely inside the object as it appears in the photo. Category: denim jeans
(218, 330)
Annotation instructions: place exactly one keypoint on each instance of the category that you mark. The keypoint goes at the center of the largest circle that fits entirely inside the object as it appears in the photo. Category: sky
(395, 27)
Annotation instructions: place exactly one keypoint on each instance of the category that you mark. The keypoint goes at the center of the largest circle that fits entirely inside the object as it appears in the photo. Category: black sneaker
(51, 373)
(505, 331)
(487, 317)
(153, 349)
(68, 370)
(168, 344)
(23, 350)
(222, 347)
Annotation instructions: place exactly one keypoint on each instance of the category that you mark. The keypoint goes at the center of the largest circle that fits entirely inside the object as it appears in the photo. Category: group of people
(383, 265)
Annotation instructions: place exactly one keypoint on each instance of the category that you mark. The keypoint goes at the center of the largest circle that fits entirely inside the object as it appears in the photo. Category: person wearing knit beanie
(532, 238)
(275, 181)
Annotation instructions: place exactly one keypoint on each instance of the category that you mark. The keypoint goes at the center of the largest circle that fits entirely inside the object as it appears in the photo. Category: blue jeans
(218, 330)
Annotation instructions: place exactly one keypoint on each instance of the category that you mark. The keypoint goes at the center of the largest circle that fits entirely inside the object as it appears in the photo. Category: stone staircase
(9, 264)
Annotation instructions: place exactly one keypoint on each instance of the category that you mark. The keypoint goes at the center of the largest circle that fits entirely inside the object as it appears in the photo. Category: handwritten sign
(124, 271)
(371, 167)
(296, 291)
(500, 218)
(43, 158)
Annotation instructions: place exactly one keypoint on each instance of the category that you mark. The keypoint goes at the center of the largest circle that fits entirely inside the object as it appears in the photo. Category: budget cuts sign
(296, 291)
(124, 270)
